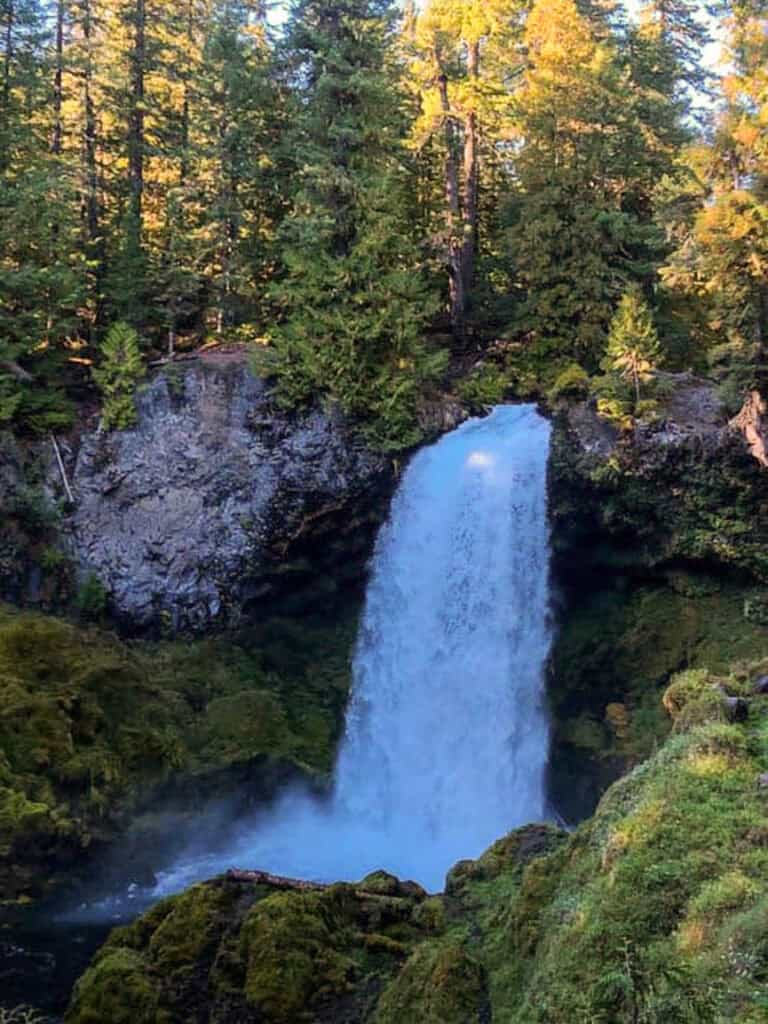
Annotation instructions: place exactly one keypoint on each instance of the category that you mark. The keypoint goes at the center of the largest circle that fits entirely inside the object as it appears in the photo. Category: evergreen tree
(41, 273)
(353, 299)
(118, 375)
(633, 348)
(722, 257)
(465, 59)
(582, 224)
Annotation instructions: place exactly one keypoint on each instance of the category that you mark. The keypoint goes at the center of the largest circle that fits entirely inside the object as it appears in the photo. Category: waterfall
(446, 739)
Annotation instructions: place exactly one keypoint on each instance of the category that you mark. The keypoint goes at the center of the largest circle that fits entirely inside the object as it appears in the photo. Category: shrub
(486, 385)
(572, 382)
(117, 377)
(91, 598)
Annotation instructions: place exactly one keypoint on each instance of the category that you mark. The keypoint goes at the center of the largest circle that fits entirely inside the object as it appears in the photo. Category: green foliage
(353, 299)
(355, 336)
(91, 726)
(118, 376)
(91, 598)
(485, 386)
(633, 350)
(570, 383)
(581, 217)
(10, 398)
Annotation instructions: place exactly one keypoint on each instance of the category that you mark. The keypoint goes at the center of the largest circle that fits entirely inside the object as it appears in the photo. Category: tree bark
(454, 221)
(12, 367)
(470, 212)
(58, 81)
(136, 127)
(5, 92)
(90, 207)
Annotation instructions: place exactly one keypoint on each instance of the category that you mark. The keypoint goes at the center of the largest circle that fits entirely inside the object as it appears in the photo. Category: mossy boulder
(93, 730)
(439, 984)
(258, 952)
(653, 910)
(615, 653)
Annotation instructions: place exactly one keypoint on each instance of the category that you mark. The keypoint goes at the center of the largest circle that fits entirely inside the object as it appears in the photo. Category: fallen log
(278, 881)
(300, 885)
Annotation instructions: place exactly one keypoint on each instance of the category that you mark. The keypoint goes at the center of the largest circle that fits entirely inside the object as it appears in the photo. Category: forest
(523, 199)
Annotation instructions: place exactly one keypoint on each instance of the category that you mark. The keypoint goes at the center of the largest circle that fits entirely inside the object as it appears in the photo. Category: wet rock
(736, 709)
(186, 518)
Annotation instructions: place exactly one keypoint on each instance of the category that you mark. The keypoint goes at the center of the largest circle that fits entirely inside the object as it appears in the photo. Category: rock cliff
(659, 555)
(217, 503)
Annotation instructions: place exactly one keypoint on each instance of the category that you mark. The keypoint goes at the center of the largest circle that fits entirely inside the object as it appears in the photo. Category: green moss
(615, 653)
(292, 944)
(117, 988)
(654, 910)
(440, 984)
(90, 727)
(637, 915)
(230, 950)
(191, 925)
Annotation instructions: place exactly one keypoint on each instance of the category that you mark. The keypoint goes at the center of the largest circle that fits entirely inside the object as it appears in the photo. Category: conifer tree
(118, 374)
(464, 62)
(633, 348)
(722, 259)
(353, 299)
(581, 214)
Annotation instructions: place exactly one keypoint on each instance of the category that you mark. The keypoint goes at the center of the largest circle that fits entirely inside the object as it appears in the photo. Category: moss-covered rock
(659, 554)
(636, 923)
(258, 953)
(92, 729)
(654, 910)
(439, 984)
(615, 653)
(682, 492)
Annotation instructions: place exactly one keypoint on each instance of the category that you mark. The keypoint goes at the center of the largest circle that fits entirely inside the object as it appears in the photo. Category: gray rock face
(215, 501)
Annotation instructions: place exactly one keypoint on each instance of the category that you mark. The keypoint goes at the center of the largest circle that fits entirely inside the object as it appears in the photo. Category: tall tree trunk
(9, 11)
(187, 73)
(58, 81)
(136, 126)
(457, 290)
(90, 207)
(470, 211)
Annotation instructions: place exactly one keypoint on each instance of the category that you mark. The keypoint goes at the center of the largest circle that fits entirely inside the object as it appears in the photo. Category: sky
(278, 10)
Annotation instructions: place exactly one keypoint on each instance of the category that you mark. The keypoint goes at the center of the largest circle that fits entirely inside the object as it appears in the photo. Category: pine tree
(633, 348)
(722, 258)
(118, 375)
(41, 272)
(582, 224)
(353, 299)
(464, 61)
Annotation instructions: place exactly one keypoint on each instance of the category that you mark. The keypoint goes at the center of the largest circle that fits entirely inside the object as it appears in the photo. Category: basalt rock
(660, 542)
(218, 504)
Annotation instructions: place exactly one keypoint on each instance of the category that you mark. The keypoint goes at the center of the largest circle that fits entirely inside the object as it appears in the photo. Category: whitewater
(446, 738)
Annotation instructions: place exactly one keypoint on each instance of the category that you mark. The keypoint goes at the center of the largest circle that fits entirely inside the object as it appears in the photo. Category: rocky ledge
(217, 503)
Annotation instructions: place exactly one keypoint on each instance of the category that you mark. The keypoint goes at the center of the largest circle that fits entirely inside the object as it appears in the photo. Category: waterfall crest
(446, 739)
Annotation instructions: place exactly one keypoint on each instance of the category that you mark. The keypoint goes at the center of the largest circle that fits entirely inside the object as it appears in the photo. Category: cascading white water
(446, 739)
